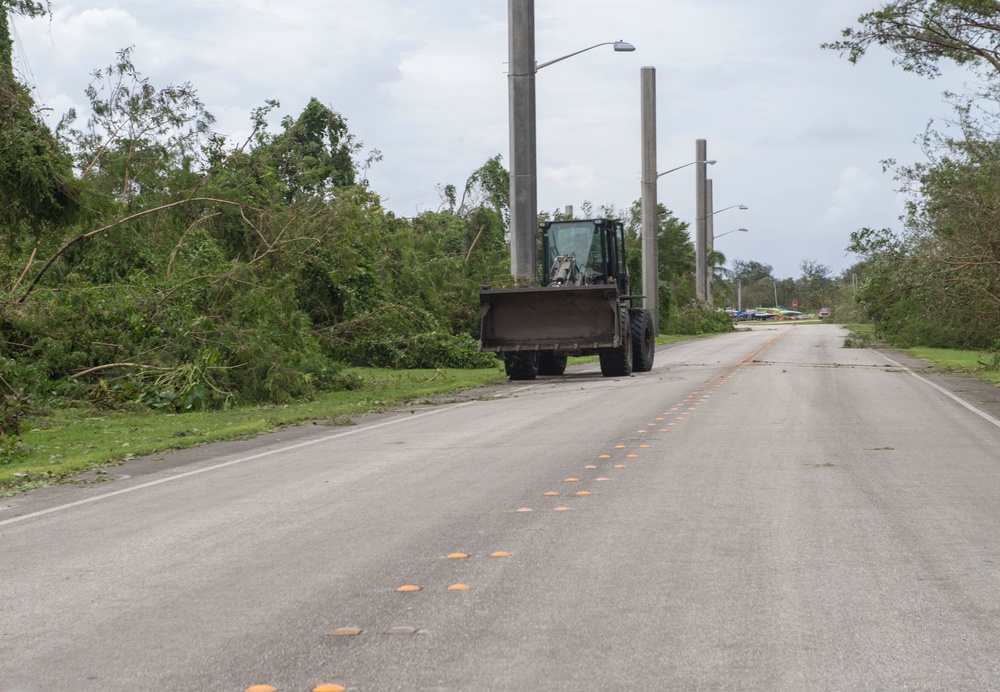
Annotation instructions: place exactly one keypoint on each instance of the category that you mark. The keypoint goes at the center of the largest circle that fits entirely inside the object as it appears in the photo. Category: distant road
(764, 510)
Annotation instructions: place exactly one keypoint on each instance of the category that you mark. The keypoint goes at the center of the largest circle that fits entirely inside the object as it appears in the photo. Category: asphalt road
(765, 510)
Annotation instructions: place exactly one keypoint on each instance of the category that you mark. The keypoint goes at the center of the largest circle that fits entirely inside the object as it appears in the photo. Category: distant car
(824, 313)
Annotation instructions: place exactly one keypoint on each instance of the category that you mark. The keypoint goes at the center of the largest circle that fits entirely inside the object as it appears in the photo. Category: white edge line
(215, 467)
(944, 391)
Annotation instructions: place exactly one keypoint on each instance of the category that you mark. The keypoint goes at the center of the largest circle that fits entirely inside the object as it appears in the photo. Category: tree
(722, 290)
(137, 135)
(27, 8)
(949, 257)
(314, 154)
(750, 271)
(675, 256)
(754, 280)
(934, 283)
(921, 33)
(813, 287)
(36, 180)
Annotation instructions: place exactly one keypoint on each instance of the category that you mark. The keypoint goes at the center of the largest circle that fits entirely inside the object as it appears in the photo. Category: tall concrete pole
(523, 181)
(701, 219)
(650, 263)
(709, 239)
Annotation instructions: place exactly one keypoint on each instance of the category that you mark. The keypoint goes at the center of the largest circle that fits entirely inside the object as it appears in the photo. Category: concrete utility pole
(709, 239)
(701, 219)
(650, 262)
(523, 180)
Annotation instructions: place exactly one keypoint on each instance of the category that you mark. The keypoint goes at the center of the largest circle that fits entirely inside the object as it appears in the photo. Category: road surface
(765, 510)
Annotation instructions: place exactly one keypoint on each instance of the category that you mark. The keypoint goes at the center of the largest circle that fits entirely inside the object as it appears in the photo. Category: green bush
(698, 319)
(433, 349)
(440, 350)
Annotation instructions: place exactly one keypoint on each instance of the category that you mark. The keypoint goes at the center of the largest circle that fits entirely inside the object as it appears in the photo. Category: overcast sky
(798, 132)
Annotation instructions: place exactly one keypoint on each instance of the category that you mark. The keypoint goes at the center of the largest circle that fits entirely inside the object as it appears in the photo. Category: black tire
(551, 364)
(521, 365)
(643, 340)
(617, 361)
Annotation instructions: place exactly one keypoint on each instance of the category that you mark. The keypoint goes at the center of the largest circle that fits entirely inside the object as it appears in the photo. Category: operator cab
(581, 253)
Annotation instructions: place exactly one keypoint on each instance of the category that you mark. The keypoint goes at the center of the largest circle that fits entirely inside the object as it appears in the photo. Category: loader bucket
(569, 318)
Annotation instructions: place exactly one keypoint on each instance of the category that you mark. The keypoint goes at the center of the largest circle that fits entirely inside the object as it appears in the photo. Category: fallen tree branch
(91, 234)
(117, 365)
(17, 284)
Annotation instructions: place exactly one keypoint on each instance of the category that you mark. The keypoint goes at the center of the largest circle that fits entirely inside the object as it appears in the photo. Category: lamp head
(624, 47)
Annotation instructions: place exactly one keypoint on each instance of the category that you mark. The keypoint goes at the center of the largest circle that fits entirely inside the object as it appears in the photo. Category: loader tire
(643, 340)
(551, 364)
(521, 365)
(617, 361)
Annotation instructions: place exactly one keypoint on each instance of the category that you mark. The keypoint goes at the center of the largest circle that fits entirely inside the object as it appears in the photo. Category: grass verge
(663, 339)
(983, 365)
(69, 441)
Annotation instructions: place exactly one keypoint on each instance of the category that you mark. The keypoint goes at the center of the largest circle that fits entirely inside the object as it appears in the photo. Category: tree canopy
(37, 186)
(922, 33)
(28, 8)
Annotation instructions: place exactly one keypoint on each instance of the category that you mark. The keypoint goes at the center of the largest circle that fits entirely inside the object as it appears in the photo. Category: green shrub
(698, 319)
(855, 340)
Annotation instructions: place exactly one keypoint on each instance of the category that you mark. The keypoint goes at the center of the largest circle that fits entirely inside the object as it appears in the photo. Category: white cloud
(854, 189)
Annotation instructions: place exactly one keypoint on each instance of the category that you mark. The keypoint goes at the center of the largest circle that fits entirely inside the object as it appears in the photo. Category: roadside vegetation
(936, 282)
(64, 442)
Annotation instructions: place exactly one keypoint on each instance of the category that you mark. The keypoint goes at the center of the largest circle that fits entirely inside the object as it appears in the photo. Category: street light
(660, 175)
(650, 178)
(523, 149)
(738, 230)
(620, 47)
(706, 222)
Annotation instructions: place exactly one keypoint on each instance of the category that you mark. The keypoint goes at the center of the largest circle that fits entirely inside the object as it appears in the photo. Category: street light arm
(620, 46)
(742, 207)
(737, 230)
(660, 175)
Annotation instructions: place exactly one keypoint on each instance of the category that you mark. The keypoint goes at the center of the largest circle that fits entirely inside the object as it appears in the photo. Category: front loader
(582, 307)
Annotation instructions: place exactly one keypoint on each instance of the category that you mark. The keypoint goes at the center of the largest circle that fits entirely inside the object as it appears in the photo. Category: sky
(799, 133)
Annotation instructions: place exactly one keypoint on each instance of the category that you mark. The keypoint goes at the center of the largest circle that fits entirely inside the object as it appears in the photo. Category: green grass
(864, 330)
(67, 442)
(985, 366)
(663, 339)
